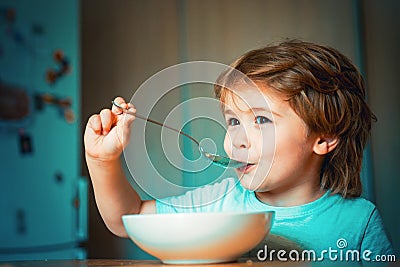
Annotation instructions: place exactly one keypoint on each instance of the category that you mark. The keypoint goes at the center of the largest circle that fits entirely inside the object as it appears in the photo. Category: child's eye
(233, 122)
(262, 120)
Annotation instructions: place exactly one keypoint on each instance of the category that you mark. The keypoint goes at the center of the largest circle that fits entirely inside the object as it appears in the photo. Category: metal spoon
(218, 160)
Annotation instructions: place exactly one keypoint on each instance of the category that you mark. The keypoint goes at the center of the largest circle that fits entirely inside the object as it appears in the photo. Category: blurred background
(67, 59)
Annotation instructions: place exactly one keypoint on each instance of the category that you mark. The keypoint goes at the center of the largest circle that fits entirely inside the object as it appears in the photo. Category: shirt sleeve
(376, 245)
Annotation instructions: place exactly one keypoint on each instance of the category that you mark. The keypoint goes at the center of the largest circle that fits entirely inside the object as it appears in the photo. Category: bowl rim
(202, 214)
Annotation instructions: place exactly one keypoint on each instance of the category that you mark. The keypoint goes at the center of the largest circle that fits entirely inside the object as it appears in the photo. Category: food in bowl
(198, 238)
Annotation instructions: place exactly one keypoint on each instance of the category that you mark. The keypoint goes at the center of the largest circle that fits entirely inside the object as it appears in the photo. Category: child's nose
(241, 139)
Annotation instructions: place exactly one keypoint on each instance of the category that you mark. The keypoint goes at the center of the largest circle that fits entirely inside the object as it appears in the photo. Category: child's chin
(250, 183)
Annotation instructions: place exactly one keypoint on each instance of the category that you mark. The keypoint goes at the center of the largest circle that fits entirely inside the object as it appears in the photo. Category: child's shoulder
(355, 201)
(354, 205)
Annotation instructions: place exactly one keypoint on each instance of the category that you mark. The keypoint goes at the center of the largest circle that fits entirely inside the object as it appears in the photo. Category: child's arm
(106, 135)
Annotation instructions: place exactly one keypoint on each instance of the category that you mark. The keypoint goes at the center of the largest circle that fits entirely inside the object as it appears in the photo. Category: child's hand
(107, 133)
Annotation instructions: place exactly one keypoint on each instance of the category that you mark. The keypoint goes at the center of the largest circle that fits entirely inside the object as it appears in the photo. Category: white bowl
(198, 238)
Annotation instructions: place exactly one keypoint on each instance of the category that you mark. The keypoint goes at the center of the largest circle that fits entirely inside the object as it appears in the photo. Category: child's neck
(296, 196)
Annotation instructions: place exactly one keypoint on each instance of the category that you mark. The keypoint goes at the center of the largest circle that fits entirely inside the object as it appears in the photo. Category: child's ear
(325, 144)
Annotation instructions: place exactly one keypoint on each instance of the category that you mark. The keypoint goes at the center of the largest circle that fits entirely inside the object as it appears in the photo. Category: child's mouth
(247, 168)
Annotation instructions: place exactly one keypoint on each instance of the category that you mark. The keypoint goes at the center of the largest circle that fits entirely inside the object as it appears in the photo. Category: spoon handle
(125, 110)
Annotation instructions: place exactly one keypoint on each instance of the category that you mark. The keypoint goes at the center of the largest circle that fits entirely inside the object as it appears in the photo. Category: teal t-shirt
(329, 228)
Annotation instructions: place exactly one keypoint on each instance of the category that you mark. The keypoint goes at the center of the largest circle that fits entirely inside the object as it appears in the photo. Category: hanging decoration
(53, 75)
(62, 104)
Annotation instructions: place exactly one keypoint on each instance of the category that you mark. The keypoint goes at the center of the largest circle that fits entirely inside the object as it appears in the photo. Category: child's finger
(94, 123)
(126, 130)
(129, 115)
(121, 102)
(129, 118)
(131, 108)
(106, 117)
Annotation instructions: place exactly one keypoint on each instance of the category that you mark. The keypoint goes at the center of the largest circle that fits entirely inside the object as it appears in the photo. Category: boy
(309, 175)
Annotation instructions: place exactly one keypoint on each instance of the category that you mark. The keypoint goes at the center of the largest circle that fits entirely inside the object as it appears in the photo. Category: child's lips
(246, 168)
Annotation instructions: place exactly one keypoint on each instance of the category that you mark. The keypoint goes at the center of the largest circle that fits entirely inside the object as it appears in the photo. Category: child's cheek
(228, 145)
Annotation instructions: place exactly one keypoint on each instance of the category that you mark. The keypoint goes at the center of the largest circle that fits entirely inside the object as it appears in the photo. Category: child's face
(263, 129)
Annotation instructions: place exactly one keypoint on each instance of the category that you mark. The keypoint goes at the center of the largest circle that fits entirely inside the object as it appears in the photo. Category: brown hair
(327, 91)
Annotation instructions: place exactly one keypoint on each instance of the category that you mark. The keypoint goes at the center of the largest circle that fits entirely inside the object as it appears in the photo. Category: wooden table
(146, 263)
